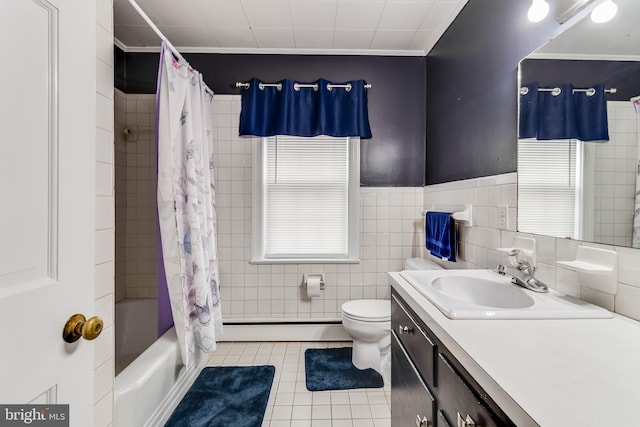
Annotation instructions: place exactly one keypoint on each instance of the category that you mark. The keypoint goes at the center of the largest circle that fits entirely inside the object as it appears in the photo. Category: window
(306, 199)
(548, 183)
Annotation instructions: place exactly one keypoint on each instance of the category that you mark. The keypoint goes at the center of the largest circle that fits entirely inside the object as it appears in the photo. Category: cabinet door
(411, 402)
(418, 345)
(457, 402)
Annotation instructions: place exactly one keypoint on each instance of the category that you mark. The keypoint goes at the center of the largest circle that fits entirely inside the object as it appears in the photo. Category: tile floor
(290, 403)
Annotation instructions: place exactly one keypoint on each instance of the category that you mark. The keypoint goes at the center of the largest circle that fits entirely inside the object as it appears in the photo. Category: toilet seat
(367, 310)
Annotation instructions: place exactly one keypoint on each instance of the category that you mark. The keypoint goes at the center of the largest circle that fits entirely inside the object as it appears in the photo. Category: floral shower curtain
(186, 205)
(636, 212)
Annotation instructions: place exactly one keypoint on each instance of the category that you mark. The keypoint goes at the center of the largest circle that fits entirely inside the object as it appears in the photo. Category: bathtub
(136, 323)
(150, 387)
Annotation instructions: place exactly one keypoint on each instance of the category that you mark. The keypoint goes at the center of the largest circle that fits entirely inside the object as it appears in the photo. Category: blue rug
(331, 369)
(225, 396)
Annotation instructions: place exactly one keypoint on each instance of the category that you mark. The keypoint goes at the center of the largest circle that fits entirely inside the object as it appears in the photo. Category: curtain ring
(591, 91)
(348, 87)
(260, 86)
(524, 90)
(298, 86)
(556, 91)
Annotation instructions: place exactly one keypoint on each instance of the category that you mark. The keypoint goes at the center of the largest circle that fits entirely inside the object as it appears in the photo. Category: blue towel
(440, 231)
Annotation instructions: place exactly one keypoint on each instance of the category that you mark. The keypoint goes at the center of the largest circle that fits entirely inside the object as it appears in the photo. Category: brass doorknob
(78, 326)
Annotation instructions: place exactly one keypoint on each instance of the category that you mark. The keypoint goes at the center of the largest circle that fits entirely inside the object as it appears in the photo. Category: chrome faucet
(523, 274)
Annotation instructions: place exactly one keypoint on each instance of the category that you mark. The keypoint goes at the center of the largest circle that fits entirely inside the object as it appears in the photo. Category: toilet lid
(368, 310)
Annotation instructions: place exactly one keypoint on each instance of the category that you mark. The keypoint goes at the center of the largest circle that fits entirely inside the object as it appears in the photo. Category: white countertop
(568, 372)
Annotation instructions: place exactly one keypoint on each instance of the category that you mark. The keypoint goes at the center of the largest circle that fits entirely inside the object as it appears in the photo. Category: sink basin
(484, 294)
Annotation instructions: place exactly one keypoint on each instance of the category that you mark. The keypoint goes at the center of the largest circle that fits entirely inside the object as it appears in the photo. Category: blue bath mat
(331, 369)
(225, 396)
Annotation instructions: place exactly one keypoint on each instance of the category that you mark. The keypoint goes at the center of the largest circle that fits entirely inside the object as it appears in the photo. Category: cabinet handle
(404, 330)
(422, 422)
(465, 422)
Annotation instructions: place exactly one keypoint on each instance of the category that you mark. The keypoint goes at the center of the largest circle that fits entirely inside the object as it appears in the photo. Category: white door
(47, 201)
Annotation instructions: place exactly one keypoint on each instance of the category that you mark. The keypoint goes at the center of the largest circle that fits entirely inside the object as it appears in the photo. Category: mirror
(587, 190)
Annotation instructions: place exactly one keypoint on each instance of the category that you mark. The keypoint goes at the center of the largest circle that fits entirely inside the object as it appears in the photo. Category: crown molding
(273, 51)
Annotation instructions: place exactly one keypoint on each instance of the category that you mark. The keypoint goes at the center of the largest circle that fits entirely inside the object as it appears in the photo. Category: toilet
(368, 322)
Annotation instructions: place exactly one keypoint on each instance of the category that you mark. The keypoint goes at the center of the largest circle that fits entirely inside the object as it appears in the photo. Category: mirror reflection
(571, 185)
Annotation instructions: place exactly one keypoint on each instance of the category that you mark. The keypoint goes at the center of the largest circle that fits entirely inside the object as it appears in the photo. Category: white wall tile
(629, 267)
(104, 112)
(104, 279)
(627, 301)
(103, 411)
(598, 298)
(104, 213)
(103, 380)
(104, 246)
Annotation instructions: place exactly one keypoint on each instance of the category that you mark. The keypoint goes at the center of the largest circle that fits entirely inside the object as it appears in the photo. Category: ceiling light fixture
(538, 10)
(605, 12)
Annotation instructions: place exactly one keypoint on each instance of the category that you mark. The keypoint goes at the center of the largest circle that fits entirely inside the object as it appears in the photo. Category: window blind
(306, 197)
(547, 187)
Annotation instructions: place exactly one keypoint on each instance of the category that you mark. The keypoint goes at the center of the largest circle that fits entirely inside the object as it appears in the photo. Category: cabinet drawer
(411, 402)
(420, 348)
(457, 401)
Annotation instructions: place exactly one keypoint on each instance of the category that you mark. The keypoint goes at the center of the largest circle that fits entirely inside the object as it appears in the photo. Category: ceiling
(617, 39)
(393, 27)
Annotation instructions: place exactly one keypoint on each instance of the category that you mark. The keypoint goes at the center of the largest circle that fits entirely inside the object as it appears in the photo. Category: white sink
(484, 294)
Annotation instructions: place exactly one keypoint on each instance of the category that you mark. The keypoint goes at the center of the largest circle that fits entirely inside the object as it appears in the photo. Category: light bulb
(605, 12)
(538, 10)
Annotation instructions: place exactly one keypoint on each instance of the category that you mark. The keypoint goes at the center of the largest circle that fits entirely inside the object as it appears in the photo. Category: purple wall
(472, 89)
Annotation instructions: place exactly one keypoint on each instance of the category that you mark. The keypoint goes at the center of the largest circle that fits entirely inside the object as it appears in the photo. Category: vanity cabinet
(429, 387)
(457, 402)
(412, 402)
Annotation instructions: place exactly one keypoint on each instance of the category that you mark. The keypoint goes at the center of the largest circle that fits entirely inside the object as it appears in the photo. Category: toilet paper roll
(313, 286)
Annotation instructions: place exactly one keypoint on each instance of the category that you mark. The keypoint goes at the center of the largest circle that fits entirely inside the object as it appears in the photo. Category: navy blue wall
(393, 157)
(472, 89)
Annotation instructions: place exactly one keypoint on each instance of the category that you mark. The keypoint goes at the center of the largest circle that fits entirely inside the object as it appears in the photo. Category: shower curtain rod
(155, 29)
(556, 90)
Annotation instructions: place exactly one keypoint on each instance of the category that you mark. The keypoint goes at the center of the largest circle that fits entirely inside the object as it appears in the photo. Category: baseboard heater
(284, 330)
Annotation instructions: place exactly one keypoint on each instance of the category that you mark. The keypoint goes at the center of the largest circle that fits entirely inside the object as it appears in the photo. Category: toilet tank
(421, 264)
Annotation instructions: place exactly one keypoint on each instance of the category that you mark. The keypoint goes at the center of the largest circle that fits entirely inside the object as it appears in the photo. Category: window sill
(304, 261)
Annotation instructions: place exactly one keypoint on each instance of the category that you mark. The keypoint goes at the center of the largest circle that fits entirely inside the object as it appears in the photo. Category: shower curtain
(636, 212)
(186, 205)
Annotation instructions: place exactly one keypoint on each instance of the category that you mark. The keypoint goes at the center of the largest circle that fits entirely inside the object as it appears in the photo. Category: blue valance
(563, 113)
(305, 109)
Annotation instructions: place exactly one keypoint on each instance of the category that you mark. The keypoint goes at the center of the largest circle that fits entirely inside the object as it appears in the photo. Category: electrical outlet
(503, 217)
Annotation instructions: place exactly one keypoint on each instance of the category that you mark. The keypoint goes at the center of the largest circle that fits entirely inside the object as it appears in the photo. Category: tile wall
(135, 196)
(391, 230)
(477, 244)
(615, 185)
(104, 236)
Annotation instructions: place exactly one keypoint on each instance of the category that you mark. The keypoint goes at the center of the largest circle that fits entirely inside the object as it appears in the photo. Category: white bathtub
(136, 322)
(150, 367)
(148, 390)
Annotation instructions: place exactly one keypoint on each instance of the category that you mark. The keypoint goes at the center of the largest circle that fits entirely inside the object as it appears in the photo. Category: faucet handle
(500, 269)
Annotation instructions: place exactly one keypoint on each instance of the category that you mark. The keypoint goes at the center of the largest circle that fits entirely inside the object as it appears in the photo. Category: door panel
(47, 188)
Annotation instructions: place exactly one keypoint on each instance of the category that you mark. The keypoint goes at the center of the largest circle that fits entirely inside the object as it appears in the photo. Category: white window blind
(547, 187)
(309, 209)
